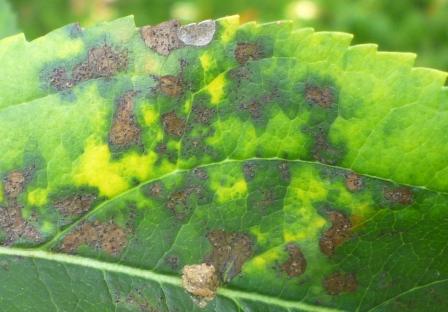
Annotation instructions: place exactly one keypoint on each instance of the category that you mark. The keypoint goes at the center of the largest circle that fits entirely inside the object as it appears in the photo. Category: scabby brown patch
(15, 227)
(230, 251)
(178, 201)
(322, 96)
(74, 205)
(203, 114)
(201, 281)
(101, 61)
(173, 125)
(353, 182)
(296, 263)
(170, 85)
(162, 38)
(337, 234)
(245, 51)
(105, 236)
(340, 282)
(322, 149)
(125, 130)
(399, 195)
(14, 184)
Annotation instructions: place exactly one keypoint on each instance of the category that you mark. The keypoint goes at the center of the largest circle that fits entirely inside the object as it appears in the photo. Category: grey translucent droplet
(199, 34)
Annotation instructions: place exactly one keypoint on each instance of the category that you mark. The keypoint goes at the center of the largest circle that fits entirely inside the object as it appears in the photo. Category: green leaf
(8, 25)
(290, 170)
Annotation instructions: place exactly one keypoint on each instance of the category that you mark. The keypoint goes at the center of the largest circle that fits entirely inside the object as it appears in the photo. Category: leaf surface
(310, 173)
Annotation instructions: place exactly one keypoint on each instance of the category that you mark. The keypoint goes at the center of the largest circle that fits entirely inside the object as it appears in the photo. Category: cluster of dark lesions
(14, 228)
(102, 61)
(184, 196)
(320, 96)
(137, 297)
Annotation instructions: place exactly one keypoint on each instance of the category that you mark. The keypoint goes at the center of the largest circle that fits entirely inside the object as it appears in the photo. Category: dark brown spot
(340, 282)
(247, 51)
(107, 237)
(249, 170)
(202, 114)
(75, 205)
(173, 125)
(254, 108)
(321, 96)
(60, 80)
(353, 182)
(162, 38)
(14, 184)
(125, 131)
(399, 195)
(155, 190)
(284, 171)
(178, 201)
(322, 149)
(102, 61)
(296, 263)
(172, 261)
(15, 227)
(338, 233)
(200, 173)
(171, 85)
(230, 252)
(200, 280)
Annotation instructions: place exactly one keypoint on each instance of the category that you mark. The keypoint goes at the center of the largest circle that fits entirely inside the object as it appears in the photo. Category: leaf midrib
(153, 276)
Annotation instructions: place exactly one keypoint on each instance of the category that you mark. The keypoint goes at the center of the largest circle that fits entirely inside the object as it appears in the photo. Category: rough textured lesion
(125, 130)
(173, 125)
(162, 38)
(12, 223)
(340, 282)
(170, 85)
(296, 263)
(103, 61)
(399, 195)
(353, 182)
(322, 96)
(104, 236)
(201, 281)
(230, 251)
(339, 232)
(246, 51)
(74, 205)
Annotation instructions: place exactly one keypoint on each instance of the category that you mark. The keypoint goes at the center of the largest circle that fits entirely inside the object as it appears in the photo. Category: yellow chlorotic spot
(149, 114)
(216, 89)
(47, 227)
(206, 61)
(263, 261)
(229, 25)
(306, 188)
(37, 197)
(95, 168)
(152, 65)
(187, 106)
(70, 48)
(236, 190)
(1, 193)
(261, 237)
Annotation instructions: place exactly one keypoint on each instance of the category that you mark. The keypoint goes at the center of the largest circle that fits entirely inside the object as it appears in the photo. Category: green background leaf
(310, 173)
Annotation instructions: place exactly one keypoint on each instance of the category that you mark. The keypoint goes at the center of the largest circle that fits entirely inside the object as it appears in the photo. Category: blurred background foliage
(419, 26)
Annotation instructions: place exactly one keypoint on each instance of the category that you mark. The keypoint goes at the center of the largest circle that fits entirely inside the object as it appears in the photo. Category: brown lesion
(74, 205)
(399, 195)
(340, 282)
(105, 236)
(230, 251)
(171, 86)
(102, 62)
(339, 232)
(246, 51)
(353, 182)
(322, 96)
(125, 130)
(173, 125)
(296, 263)
(162, 38)
(177, 202)
(13, 225)
(322, 149)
